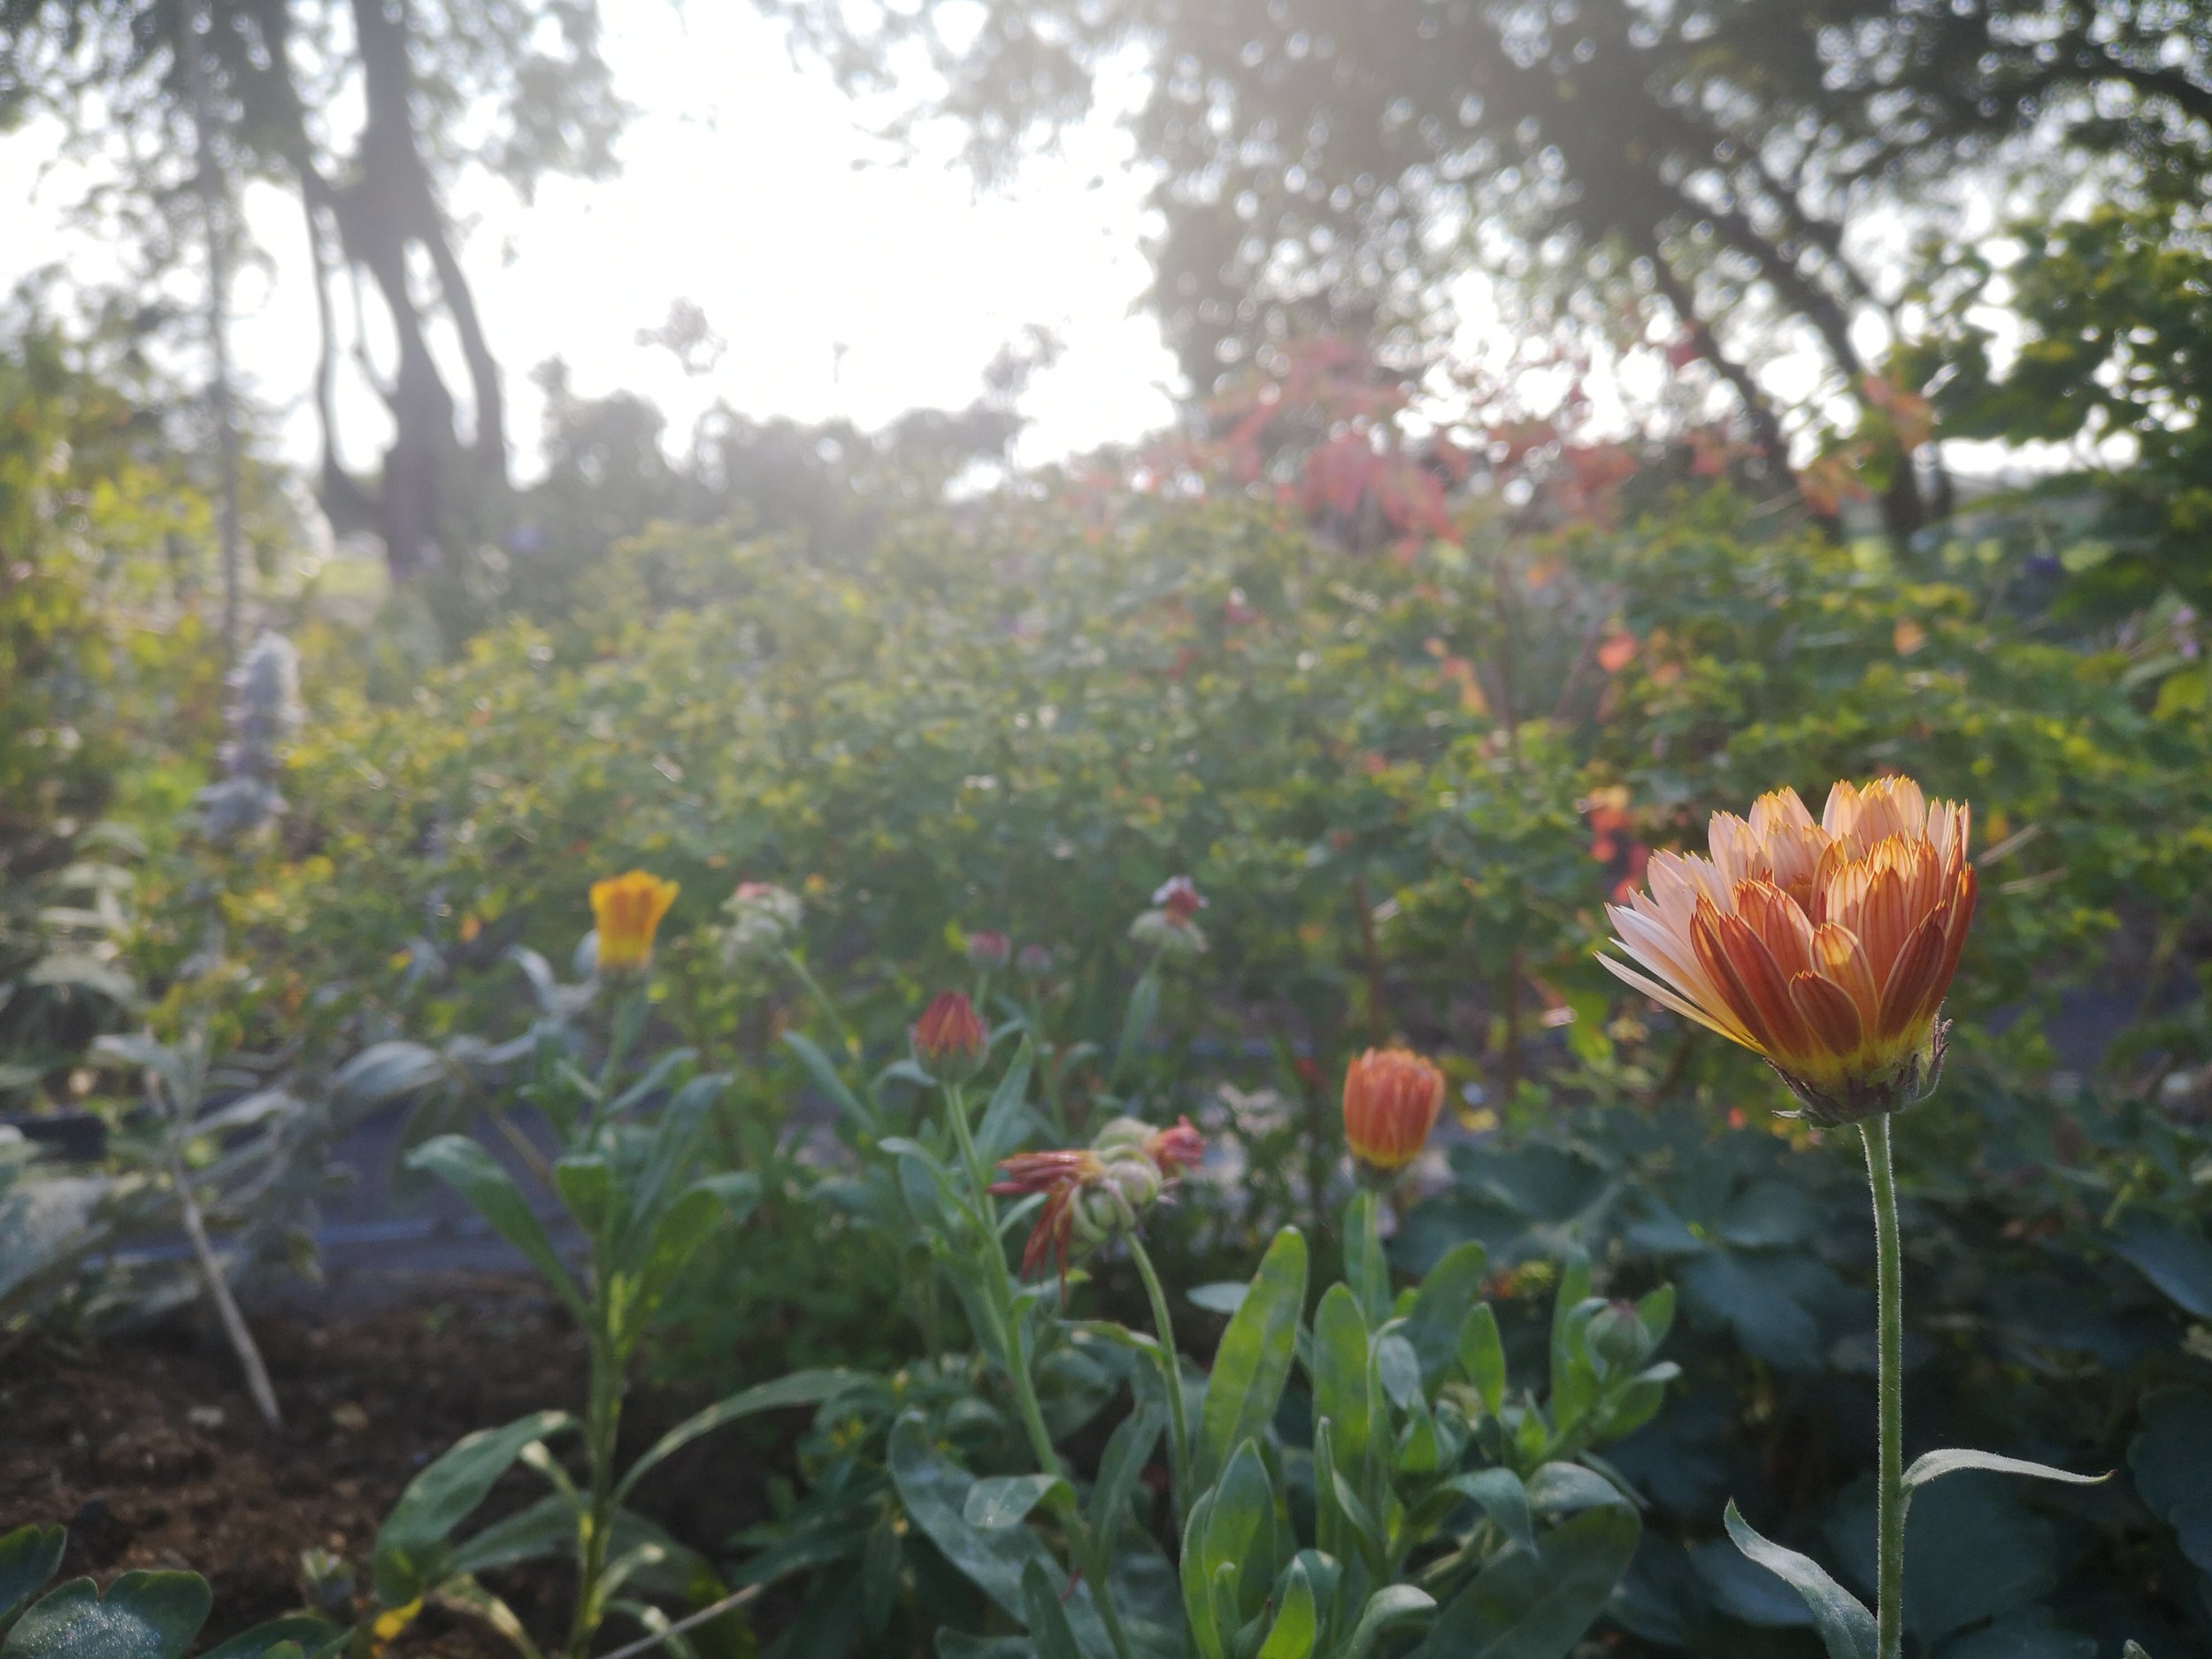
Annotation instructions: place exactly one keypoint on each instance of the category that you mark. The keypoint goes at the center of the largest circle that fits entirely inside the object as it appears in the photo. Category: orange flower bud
(1391, 1099)
(628, 910)
(950, 1038)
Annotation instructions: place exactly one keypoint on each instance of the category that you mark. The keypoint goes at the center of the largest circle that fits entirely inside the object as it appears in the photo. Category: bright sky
(750, 187)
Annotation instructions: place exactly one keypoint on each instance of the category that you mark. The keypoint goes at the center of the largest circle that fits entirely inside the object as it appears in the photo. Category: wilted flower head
(763, 918)
(628, 910)
(989, 951)
(1034, 962)
(950, 1038)
(1824, 948)
(1391, 1099)
(1168, 926)
(1093, 1192)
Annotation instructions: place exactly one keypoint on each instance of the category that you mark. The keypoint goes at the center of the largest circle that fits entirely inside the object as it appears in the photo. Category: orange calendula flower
(628, 910)
(1824, 948)
(1391, 1099)
(1094, 1192)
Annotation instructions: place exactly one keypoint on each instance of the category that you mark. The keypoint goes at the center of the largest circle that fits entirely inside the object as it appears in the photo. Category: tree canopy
(517, 87)
(1688, 171)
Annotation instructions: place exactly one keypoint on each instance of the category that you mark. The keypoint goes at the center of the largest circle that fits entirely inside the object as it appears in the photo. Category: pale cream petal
(1720, 1021)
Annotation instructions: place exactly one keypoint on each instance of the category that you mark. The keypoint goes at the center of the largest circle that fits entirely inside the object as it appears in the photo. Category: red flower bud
(1179, 897)
(1391, 1099)
(950, 1038)
(989, 951)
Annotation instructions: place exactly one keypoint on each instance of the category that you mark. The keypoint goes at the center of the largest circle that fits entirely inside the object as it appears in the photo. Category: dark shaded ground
(146, 1447)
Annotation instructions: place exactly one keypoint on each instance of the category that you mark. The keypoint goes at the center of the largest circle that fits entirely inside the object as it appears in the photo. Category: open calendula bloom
(1824, 947)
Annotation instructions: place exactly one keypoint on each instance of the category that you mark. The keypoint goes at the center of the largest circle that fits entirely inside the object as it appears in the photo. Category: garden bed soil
(148, 1449)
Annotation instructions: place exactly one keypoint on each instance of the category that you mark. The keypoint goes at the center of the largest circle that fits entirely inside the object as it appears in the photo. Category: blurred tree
(369, 110)
(1681, 173)
(2111, 313)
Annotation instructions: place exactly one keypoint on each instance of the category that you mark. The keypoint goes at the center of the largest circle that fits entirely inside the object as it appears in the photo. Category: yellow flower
(628, 910)
(1826, 947)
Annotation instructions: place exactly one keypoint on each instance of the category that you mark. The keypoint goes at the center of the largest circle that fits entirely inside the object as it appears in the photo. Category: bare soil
(146, 1447)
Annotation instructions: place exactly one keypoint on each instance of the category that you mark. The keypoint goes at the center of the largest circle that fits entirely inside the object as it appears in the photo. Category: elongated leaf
(1127, 1451)
(476, 1175)
(304, 1632)
(1007, 1500)
(1366, 1270)
(1538, 1606)
(1504, 1500)
(143, 1615)
(385, 1072)
(1393, 1604)
(1569, 1488)
(1198, 1601)
(800, 1388)
(1845, 1625)
(1253, 1360)
(1935, 1466)
(1297, 1626)
(1136, 1024)
(547, 1528)
(1239, 1532)
(29, 1555)
(1341, 1379)
(1048, 1627)
(2175, 1259)
(1446, 1296)
(1482, 1355)
(935, 1496)
(827, 1079)
(1000, 1130)
(414, 1544)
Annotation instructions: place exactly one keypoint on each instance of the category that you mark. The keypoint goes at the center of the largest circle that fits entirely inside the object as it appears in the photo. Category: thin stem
(957, 1108)
(601, 1429)
(691, 1621)
(234, 1328)
(1890, 1291)
(822, 1000)
(1178, 1429)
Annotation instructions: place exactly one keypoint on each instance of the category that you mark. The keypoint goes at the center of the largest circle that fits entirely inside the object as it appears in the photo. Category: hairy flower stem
(823, 1001)
(1094, 1554)
(1178, 1430)
(1890, 1293)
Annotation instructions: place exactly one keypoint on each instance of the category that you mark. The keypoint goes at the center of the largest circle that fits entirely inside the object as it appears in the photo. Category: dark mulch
(146, 1447)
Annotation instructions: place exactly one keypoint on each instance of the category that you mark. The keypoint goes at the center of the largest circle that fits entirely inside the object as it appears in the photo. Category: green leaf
(1343, 1386)
(587, 1187)
(1482, 1355)
(1224, 1296)
(300, 1631)
(1048, 1627)
(2171, 1459)
(1297, 1626)
(1366, 1269)
(29, 1555)
(1391, 1605)
(1136, 1024)
(1127, 1451)
(827, 1079)
(1570, 1488)
(414, 1547)
(1538, 1606)
(1845, 1625)
(1236, 1553)
(1198, 1601)
(1935, 1466)
(1007, 1500)
(999, 1131)
(1446, 1296)
(476, 1175)
(547, 1528)
(143, 1615)
(935, 1496)
(2173, 1257)
(1504, 1500)
(1253, 1360)
(385, 1072)
(800, 1388)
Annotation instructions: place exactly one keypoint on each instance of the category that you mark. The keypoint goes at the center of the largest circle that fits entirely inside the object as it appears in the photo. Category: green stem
(822, 1000)
(1178, 1429)
(1890, 1291)
(604, 1422)
(979, 1177)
